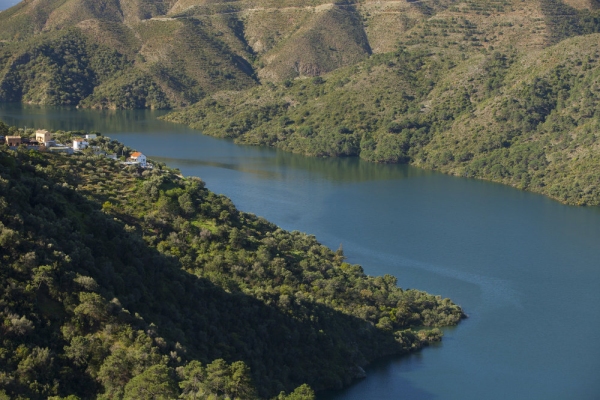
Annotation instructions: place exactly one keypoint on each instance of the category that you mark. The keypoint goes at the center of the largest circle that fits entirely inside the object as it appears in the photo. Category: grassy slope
(111, 273)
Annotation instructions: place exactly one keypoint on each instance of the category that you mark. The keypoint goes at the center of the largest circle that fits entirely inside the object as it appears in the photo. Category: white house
(138, 157)
(90, 136)
(79, 144)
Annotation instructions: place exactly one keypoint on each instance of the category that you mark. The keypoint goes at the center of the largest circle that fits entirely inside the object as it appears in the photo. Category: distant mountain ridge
(179, 51)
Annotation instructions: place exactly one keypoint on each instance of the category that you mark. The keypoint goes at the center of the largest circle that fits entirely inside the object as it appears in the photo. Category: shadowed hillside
(117, 281)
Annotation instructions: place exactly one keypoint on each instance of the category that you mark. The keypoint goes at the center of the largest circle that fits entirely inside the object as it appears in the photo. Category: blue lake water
(4, 4)
(525, 268)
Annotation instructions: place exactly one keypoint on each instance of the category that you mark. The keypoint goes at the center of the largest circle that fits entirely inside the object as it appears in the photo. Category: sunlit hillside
(495, 89)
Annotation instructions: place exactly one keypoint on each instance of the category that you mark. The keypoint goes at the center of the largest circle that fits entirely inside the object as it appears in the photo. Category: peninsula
(120, 280)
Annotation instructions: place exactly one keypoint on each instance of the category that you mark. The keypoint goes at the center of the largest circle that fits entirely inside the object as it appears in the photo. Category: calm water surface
(526, 269)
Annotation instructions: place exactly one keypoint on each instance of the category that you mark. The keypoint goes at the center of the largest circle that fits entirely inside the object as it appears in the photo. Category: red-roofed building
(138, 157)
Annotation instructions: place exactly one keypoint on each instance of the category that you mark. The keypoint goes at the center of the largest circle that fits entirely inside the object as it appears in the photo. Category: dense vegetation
(528, 122)
(504, 90)
(118, 282)
(73, 67)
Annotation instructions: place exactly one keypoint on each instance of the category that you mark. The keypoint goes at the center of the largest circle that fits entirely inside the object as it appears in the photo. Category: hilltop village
(43, 140)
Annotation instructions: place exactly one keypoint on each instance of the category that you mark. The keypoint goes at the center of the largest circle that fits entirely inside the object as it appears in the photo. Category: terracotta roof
(79, 140)
(135, 154)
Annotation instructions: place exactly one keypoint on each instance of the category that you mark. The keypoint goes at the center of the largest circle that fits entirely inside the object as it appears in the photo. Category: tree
(3, 129)
(193, 375)
(115, 372)
(92, 307)
(217, 377)
(240, 383)
(303, 392)
(155, 383)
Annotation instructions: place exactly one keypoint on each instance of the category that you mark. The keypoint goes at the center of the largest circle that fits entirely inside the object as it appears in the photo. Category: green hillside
(153, 70)
(119, 282)
(530, 121)
(503, 90)
(472, 90)
(190, 48)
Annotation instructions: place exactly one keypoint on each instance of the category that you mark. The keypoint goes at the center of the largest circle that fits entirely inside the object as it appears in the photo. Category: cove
(525, 268)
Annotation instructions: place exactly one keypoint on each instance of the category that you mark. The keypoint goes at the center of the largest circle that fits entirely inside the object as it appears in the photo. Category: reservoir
(525, 268)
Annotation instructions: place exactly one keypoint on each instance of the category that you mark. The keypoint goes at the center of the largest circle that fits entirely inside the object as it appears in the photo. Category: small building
(43, 136)
(79, 144)
(90, 136)
(13, 141)
(138, 157)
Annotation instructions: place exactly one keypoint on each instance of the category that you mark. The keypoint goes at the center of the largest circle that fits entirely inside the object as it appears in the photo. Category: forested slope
(117, 282)
(531, 121)
(504, 90)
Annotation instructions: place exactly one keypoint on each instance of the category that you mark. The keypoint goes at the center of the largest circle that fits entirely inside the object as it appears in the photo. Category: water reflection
(64, 118)
(338, 170)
